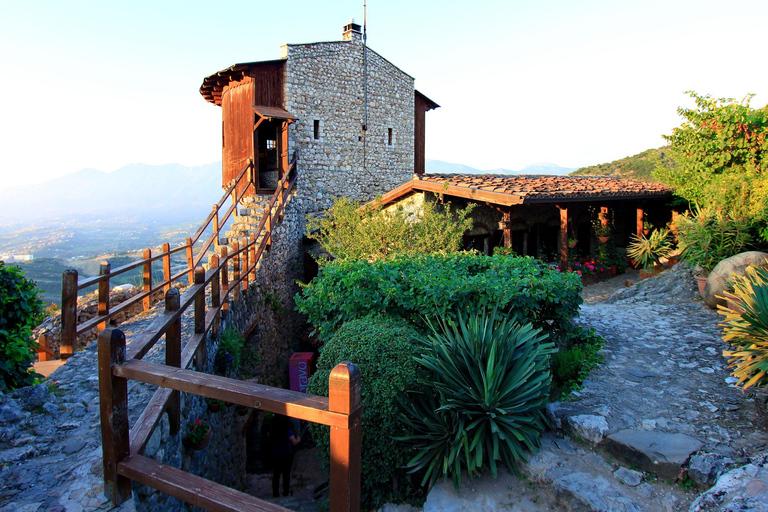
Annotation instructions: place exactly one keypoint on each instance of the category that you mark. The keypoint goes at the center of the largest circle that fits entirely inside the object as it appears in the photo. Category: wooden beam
(563, 236)
(344, 397)
(506, 227)
(68, 313)
(103, 310)
(173, 355)
(639, 218)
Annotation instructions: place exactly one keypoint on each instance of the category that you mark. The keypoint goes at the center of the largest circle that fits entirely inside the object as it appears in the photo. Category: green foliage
(370, 232)
(708, 236)
(571, 365)
(484, 398)
(721, 149)
(439, 285)
(20, 311)
(230, 340)
(638, 167)
(383, 349)
(747, 332)
(649, 251)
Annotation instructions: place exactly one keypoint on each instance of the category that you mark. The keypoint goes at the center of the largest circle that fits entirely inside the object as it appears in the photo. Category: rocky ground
(651, 429)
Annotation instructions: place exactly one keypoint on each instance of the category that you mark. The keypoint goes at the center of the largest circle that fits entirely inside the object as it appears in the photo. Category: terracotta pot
(214, 407)
(733, 303)
(657, 269)
(614, 270)
(604, 239)
(198, 446)
(571, 245)
(646, 232)
(701, 281)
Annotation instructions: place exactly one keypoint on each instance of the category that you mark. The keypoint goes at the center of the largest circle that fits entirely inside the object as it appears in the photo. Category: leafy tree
(373, 232)
(20, 311)
(721, 149)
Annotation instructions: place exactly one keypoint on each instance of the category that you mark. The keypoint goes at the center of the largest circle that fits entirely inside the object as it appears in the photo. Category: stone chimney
(352, 32)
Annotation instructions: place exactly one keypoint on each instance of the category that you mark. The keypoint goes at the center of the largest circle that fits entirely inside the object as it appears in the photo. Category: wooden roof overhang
(269, 113)
(499, 190)
(213, 85)
(428, 103)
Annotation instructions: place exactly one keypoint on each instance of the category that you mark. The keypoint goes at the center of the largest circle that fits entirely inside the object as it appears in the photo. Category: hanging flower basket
(603, 239)
(198, 437)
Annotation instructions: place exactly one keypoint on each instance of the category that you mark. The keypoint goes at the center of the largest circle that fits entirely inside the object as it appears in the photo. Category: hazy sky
(104, 84)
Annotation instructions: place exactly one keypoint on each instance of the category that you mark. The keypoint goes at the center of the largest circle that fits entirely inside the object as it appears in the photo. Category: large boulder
(723, 272)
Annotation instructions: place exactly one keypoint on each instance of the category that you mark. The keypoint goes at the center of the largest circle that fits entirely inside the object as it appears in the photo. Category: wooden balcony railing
(245, 254)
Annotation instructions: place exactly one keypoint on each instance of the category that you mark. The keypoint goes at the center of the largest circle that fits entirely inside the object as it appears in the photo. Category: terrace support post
(68, 313)
(147, 277)
(563, 236)
(640, 216)
(190, 261)
(506, 220)
(525, 243)
(173, 356)
(216, 227)
(344, 397)
(603, 216)
(246, 263)
(213, 264)
(200, 313)
(44, 343)
(236, 270)
(113, 405)
(253, 257)
(224, 281)
(167, 266)
(284, 164)
(104, 269)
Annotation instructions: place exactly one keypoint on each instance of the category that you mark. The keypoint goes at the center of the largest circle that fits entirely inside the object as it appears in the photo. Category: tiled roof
(540, 188)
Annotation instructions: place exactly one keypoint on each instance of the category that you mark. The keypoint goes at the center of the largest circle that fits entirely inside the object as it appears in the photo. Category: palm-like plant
(747, 332)
(484, 399)
(649, 251)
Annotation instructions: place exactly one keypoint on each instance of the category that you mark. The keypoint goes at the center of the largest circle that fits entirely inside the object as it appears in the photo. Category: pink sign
(299, 367)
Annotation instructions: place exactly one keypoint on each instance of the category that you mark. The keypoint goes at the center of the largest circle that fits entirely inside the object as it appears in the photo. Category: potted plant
(647, 227)
(649, 251)
(214, 405)
(572, 243)
(198, 436)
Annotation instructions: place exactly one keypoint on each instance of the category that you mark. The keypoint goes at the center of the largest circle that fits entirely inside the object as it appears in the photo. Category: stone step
(656, 452)
(250, 212)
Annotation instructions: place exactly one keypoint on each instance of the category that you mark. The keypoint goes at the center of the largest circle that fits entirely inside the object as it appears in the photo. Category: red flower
(197, 422)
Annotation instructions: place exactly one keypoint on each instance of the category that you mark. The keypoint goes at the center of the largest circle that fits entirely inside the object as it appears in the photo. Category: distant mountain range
(169, 194)
(638, 167)
(439, 167)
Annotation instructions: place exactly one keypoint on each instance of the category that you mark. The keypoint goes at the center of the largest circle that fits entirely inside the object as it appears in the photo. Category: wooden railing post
(167, 266)
(246, 262)
(200, 312)
(147, 276)
(268, 227)
(213, 264)
(253, 257)
(234, 198)
(224, 281)
(103, 295)
(68, 313)
(344, 397)
(235, 269)
(216, 227)
(190, 260)
(173, 356)
(113, 405)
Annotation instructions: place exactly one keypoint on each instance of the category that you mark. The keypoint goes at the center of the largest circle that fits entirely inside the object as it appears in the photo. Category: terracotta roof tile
(542, 187)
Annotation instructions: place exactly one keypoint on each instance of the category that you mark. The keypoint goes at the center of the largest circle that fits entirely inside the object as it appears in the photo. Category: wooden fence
(244, 256)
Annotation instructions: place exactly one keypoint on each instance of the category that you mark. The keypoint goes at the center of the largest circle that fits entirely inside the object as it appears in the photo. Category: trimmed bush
(20, 311)
(437, 286)
(484, 398)
(383, 350)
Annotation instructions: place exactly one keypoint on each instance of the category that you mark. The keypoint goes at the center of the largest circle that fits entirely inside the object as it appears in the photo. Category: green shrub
(747, 332)
(572, 364)
(483, 399)
(708, 236)
(437, 286)
(230, 340)
(370, 232)
(649, 251)
(383, 350)
(20, 311)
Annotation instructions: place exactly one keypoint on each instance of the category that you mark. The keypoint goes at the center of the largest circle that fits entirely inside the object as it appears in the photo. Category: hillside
(440, 167)
(638, 167)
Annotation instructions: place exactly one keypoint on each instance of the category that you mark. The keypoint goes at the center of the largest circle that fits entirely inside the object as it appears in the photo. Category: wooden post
(173, 356)
(44, 343)
(283, 150)
(603, 216)
(215, 227)
(224, 281)
(147, 302)
(104, 269)
(200, 312)
(506, 220)
(68, 313)
(213, 264)
(234, 200)
(268, 227)
(563, 236)
(190, 261)
(344, 397)
(246, 263)
(640, 217)
(252, 259)
(113, 405)
(167, 266)
(236, 269)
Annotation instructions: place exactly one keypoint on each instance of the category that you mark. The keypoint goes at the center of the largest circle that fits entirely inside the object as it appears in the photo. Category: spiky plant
(484, 399)
(747, 332)
(649, 251)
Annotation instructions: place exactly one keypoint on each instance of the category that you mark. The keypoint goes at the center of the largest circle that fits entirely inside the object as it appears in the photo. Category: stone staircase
(247, 221)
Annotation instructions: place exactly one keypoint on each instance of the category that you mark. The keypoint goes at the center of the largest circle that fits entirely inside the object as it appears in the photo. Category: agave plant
(649, 251)
(484, 399)
(747, 332)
